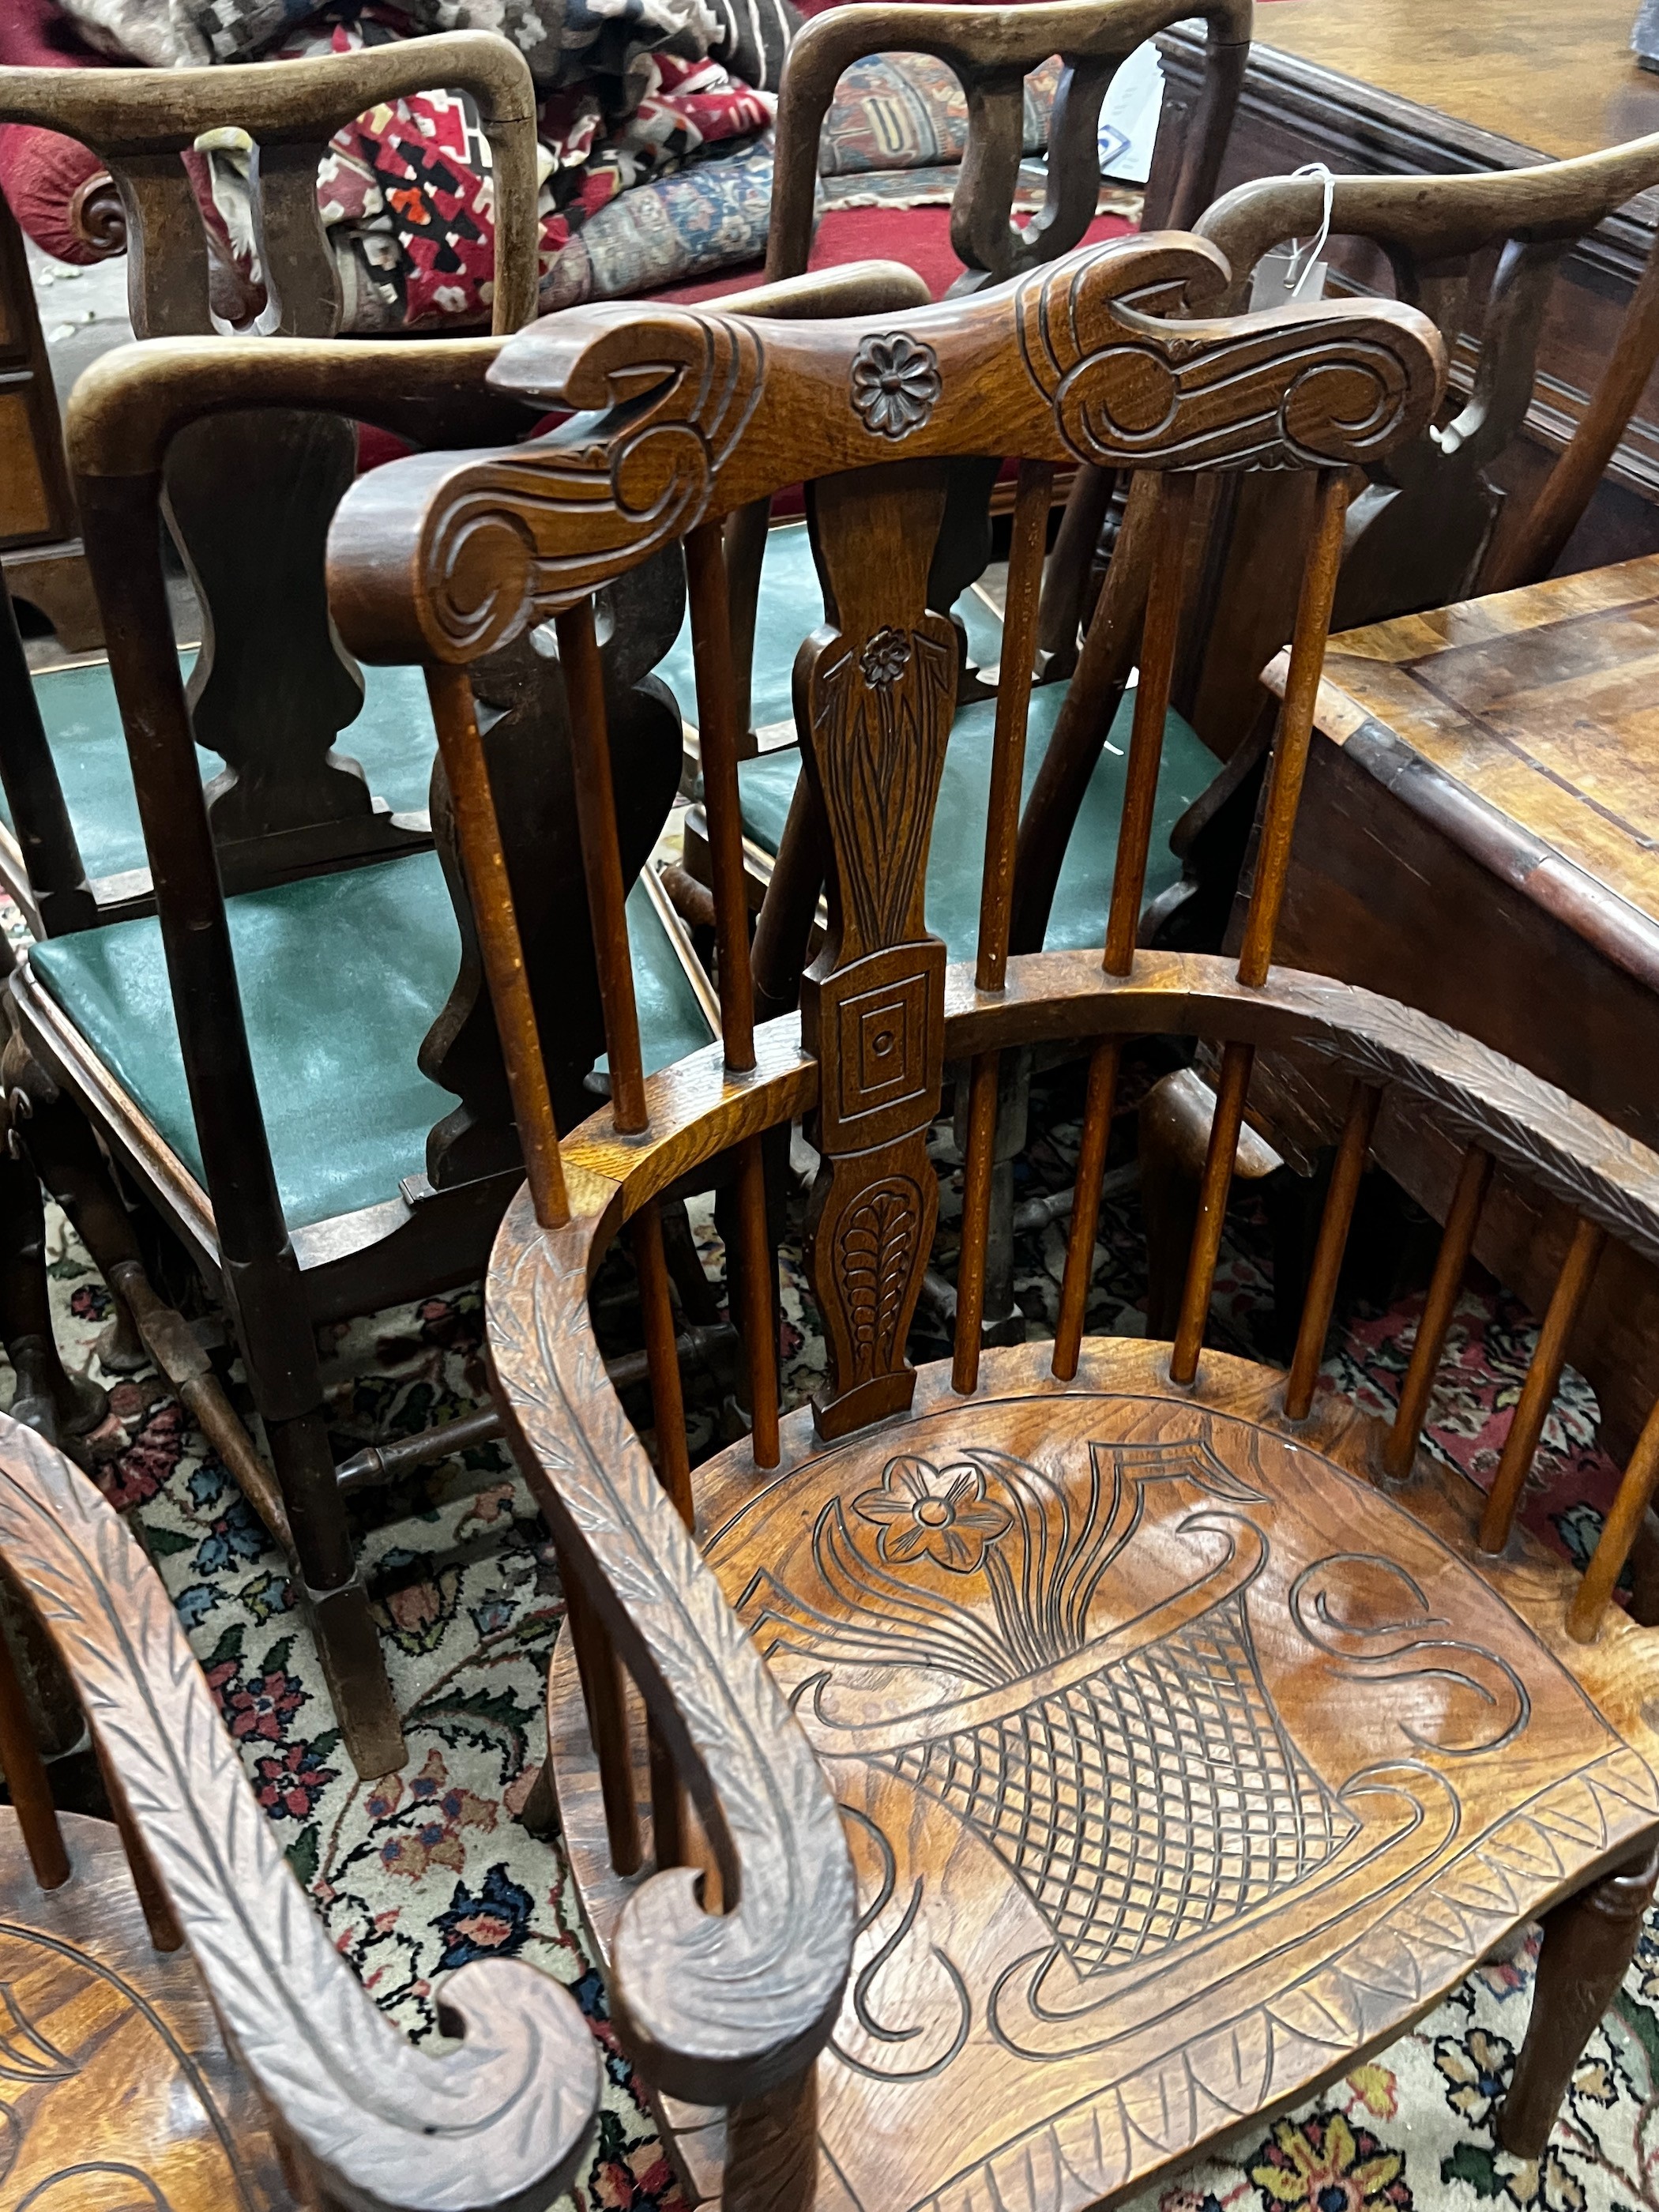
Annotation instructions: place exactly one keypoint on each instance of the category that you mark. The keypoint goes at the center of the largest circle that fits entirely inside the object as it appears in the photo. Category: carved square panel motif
(882, 1057)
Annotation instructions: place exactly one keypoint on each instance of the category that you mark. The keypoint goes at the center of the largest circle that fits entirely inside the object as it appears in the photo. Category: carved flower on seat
(940, 1510)
(895, 384)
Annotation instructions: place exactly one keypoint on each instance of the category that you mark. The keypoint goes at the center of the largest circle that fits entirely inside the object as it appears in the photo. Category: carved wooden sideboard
(1432, 87)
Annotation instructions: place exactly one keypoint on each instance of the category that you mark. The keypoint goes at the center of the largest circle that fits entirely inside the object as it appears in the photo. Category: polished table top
(1555, 75)
(1543, 704)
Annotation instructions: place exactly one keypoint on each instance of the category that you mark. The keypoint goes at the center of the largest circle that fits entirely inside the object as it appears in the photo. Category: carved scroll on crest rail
(689, 414)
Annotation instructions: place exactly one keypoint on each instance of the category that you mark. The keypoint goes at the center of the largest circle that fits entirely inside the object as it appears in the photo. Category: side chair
(181, 2033)
(271, 691)
(1085, 1750)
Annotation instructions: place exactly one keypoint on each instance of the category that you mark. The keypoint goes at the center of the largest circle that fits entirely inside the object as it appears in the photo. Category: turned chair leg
(1589, 1942)
(49, 1399)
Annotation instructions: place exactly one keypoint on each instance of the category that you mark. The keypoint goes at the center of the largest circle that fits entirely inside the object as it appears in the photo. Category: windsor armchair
(180, 2030)
(1094, 1699)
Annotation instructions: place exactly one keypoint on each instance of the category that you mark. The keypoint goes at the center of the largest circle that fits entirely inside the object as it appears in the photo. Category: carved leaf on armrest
(496, 2121)
(716, 2007)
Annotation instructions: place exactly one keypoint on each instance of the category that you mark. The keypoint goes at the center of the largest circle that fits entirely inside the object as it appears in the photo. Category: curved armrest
(497, 2121)
(1428, 219)
(715, 2007)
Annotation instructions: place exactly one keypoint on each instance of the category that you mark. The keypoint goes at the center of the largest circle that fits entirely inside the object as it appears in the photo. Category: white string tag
(1295, 272)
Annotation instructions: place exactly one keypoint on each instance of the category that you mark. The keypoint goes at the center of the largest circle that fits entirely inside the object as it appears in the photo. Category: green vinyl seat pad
(791, 606)
(956, 856)
(392, 738)
(341, 976)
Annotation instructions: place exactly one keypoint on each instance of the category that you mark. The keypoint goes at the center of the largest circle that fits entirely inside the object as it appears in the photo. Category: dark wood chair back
(271, 689)
(1438, 524)
(991, 50)
(257, 2072)
(1433, 525)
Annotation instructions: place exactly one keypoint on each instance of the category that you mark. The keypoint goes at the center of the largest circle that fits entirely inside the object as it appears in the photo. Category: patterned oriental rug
(428, 1870)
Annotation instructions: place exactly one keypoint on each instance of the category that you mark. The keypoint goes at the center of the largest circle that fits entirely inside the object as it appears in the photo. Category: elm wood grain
(432, 567)
(1234, 1545)
(119, 2075)
(368, 2120)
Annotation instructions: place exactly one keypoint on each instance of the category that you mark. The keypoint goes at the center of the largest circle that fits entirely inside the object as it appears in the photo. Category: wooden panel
(24, 509)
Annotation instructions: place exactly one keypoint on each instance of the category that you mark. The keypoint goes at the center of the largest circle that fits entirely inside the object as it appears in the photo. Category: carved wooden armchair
(180, 2030)
(1142, 1757)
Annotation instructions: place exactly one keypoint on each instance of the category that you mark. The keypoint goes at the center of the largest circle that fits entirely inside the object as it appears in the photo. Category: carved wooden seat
(177, 2030)
(1085, 1751)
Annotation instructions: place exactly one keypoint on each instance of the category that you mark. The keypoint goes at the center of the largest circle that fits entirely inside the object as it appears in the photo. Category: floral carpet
(427, 1869)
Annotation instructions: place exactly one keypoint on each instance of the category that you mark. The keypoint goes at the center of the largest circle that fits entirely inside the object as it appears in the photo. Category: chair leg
(1589, 1942)
(332, 1593)
(771, 2148)
(60, 1406)
(1174, 1121)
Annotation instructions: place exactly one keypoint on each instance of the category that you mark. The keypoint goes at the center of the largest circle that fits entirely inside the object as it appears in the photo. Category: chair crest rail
(499, 2120)
(702, 414)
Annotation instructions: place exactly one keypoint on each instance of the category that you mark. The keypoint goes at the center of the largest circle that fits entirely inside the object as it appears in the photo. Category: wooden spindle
(1085, 1209)
(607, 897)
(160, 1918)
(478, 834)
(760, 1322)
(662, 1358)
(975, 1219)
(1332, 1242)
(601, 1676)
(1160, 637)
(674, 1472)
(1618, 1532)
(1456, 1242)
(718, 740)
(1543, 1375)
(1019, 627)
(667, 1802)
(1237, 1061)
(26, 1779)
(1296, 715)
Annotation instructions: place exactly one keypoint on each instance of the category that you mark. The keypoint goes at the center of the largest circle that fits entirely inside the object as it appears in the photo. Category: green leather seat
(957, 855)
(347, 1110)
(792, 605)
(392, 737)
